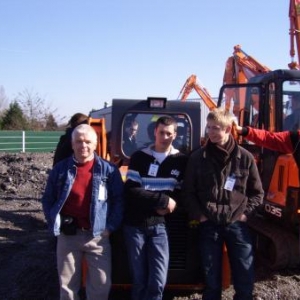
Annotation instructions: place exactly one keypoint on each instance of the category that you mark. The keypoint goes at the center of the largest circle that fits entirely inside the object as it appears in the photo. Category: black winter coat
(204, 182)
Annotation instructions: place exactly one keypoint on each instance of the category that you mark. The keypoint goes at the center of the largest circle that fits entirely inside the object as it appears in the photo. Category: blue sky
(78, 54)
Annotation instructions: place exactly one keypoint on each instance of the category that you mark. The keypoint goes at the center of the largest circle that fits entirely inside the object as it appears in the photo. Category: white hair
(84, 129)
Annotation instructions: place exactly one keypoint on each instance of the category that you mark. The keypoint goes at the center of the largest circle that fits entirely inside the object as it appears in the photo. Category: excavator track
(276, 247)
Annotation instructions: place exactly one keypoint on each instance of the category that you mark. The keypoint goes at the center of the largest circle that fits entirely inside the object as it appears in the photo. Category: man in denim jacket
(83, 204)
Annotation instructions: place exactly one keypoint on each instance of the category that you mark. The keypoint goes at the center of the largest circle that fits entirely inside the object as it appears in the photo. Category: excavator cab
(268, 101)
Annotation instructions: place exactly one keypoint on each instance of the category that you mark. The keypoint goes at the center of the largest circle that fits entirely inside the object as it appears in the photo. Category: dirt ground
(27, 253)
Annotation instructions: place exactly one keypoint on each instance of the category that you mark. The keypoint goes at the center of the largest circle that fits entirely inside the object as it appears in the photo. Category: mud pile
(24, 174)
(27, 253)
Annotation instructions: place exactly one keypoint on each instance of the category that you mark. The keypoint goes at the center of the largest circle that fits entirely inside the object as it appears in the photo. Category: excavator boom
(192, 84)
(240, 67)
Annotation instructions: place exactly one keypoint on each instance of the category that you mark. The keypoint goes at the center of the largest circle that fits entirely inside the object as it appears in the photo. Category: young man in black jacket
(221, 189)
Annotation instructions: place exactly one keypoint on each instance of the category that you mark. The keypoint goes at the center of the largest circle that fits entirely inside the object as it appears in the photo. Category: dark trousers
(238, 241)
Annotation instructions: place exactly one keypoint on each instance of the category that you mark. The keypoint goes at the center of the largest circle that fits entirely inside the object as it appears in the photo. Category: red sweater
(77, 204)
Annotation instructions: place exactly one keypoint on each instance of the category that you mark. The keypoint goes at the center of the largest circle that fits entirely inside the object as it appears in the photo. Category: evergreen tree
(13, 118)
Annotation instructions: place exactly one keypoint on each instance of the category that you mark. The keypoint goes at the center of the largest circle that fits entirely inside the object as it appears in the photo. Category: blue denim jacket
(106, 208)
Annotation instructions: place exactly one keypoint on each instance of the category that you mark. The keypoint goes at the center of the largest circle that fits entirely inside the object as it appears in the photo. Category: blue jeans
(238, 241)
(148, 256)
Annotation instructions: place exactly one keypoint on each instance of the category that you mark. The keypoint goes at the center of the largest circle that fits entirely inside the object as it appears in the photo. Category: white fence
(29, 141)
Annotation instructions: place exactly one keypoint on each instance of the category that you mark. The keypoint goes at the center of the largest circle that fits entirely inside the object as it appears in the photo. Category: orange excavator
(192, 84)
(268, 95)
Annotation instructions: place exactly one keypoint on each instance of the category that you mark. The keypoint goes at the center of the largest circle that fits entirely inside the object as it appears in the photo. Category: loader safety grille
(178, 240)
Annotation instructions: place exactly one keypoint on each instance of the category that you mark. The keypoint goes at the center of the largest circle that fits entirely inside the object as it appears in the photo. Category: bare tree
(36, 109)
(3, 100)
(33, 107)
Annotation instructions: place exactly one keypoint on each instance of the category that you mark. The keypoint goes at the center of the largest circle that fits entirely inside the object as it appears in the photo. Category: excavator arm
(240, 67)
(192, 84)
(294, 15)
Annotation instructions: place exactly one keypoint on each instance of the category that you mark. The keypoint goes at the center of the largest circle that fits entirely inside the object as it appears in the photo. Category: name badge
(102, 192)
(229, 184)
(153, 169)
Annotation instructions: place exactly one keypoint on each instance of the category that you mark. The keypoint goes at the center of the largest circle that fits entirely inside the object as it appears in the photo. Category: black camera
(68, 225)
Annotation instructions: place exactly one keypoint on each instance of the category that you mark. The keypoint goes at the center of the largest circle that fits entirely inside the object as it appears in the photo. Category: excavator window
(291, 105)
(138, 132)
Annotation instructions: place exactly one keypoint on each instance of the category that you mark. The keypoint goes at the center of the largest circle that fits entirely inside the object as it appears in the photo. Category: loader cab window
(291, 105)
(138, 132)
